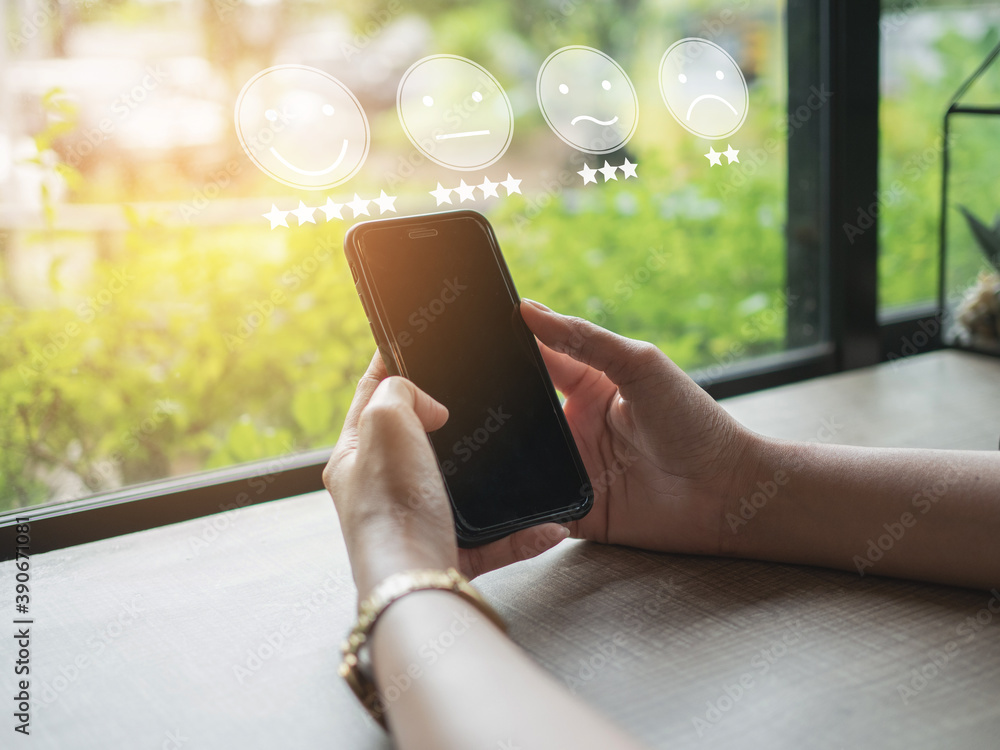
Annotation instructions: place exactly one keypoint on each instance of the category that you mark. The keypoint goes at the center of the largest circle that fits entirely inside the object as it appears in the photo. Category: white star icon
(489, 188)
(512, 185)
(276, 217)
(628, 169)
(730, 153)
(385, 203)
(466, 192)
(589, 174)
(714, 157)
(332, 209)
(608, 171)
(442, 194)
(304, 214)
(358, 206)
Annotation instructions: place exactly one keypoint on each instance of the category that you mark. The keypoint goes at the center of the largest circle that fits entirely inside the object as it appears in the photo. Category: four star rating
(307, 214)
(589, 174)
(715, 157)
(466, 192)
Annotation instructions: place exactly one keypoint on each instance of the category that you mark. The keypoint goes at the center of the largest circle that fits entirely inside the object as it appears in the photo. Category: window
(927, 51)
(171, 305)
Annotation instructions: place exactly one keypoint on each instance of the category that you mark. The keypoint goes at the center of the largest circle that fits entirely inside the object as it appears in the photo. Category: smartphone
(444, 313)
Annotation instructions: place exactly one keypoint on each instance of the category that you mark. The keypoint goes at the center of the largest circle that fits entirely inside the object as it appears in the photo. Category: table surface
(223, 631)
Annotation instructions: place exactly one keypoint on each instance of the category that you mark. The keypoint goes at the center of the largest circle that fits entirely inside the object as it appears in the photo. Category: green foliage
(165, 350)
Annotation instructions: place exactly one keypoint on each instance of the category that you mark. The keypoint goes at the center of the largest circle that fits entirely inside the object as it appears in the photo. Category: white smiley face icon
(587, 99)
(703, 88)
(455, 112)
(302, 127)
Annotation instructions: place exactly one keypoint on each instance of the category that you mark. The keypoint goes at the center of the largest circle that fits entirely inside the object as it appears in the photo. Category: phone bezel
(467, 535)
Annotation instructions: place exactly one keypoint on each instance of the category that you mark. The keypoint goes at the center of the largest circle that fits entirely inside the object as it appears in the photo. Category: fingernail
(563, 533)
(532, 302)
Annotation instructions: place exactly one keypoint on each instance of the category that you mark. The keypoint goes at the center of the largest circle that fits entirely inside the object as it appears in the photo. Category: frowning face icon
(302, 126)
(587, 99)
(703, 88)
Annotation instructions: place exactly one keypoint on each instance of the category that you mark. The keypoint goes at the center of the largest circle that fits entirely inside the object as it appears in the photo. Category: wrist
(376, 558)
(757, 478)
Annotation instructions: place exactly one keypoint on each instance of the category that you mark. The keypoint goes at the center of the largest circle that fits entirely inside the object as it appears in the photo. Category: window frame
(833, 164)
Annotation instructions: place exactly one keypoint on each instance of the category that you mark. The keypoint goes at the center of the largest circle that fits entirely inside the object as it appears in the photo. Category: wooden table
(223, 632)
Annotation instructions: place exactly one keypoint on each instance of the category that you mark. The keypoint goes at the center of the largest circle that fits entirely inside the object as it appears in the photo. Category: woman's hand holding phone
(664, 458)
(390, 496)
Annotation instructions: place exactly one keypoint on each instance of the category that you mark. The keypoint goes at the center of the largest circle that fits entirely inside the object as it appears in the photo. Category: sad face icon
(703, 88)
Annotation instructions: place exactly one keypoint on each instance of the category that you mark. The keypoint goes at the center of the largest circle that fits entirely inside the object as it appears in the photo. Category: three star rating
(307, 214)
(466, 192)
(589, 174)
(715, 157)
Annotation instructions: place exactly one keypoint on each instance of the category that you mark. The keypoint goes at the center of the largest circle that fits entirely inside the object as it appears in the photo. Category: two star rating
(468, 192)
(589, 174)
(307, 214)
(715, 157)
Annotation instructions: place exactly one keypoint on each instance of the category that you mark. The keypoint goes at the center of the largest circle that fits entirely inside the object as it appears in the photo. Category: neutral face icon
(703, 88)
(587, 99)
(302, 127)
(455, 112)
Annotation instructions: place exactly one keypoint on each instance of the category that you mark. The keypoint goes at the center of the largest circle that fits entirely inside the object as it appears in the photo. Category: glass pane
(173, 204)
(928, 50)
(972, 241)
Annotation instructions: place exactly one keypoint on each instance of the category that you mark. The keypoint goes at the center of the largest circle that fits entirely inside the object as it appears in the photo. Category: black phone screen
(446, 302)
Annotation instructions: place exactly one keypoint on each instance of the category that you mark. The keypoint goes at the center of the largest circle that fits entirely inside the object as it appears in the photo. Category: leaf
(988, 239)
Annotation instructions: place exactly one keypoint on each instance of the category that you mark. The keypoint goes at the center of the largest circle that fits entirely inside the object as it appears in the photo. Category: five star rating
(307, 214)
(715, 157)
(465, 192)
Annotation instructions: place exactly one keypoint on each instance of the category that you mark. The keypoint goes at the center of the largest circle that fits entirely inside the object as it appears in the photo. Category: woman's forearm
(922, 514)
(451, 679)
